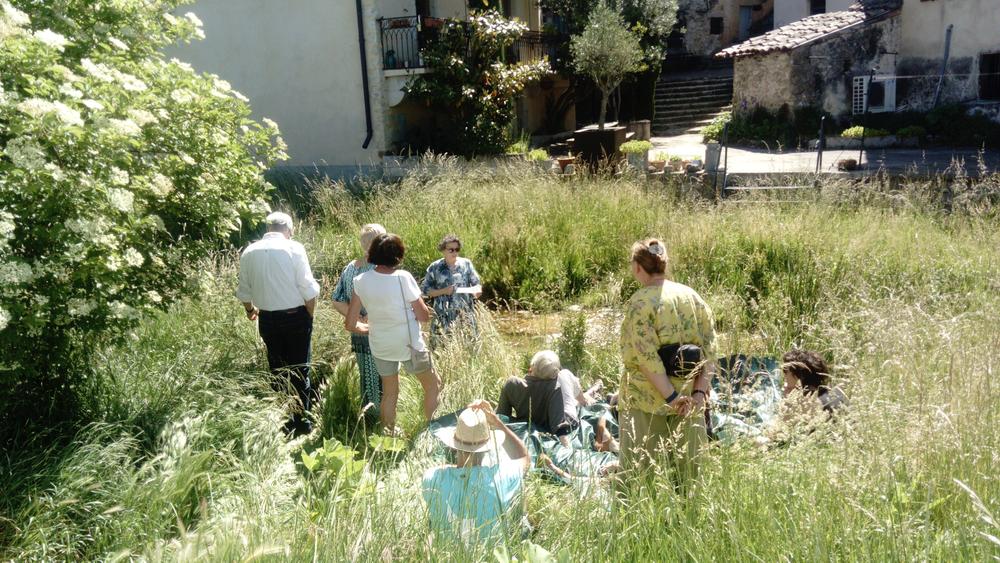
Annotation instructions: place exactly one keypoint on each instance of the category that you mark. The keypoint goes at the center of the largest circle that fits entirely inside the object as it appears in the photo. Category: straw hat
(471, 433)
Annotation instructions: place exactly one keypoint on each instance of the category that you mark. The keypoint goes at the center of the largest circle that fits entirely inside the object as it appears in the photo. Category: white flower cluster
(55, 40)
(12, 20)
(142, 117)
(119, 177)
(7, 228)
(124, 127)
(25, 153)
(134, 258)
(160, 185)
(121, 310)
(39, 108)
(4, 315)
(182, 96)
(77, 307)
(492, 23)
(15, 273)
(100, 71)
(121, 199)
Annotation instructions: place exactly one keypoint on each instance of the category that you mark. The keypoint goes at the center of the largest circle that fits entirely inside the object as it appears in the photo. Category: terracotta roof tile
(807, 30)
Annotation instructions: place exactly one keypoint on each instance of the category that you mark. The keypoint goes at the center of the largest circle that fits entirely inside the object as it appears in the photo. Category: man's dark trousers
(288, 337)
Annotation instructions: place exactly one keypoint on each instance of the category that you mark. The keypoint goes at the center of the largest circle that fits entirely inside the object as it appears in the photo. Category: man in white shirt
(278, 290)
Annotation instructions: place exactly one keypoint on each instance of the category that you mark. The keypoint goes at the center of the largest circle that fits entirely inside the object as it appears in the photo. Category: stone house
(886, 55)
(711, 25)
(331, 73)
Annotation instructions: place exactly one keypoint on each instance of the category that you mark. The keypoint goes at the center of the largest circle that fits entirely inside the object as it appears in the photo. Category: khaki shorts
(420, 362)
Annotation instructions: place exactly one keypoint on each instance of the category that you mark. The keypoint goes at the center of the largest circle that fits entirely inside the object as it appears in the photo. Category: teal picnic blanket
(580, 460)
(746, 396)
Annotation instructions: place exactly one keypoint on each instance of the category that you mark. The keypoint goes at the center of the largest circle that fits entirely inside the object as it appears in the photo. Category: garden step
(696, 103)
(707, 80)
(684, 87)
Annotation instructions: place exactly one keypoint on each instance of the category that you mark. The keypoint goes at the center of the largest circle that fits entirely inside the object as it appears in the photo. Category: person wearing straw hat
(471, 501)
(278, 291)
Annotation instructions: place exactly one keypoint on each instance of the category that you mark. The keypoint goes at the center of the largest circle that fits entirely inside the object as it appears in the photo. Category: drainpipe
(944, 65)
(364, 75)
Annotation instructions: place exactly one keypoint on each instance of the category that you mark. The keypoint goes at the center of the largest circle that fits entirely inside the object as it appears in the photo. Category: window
(879, 93)
(989, 76)
(715, 26)
(817, 7)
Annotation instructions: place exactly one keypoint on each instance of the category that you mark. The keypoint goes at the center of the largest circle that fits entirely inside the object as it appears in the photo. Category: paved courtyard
(761, 161)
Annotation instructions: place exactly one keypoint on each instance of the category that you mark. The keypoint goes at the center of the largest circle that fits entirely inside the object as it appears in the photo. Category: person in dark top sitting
(545, 397)
(807, 371)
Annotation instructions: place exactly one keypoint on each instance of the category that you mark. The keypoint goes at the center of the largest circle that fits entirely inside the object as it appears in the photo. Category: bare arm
(661, 382)
(420, 310)
(354, 315)
(311, 307)
(439, 292)
(341, 308)
(512, 441)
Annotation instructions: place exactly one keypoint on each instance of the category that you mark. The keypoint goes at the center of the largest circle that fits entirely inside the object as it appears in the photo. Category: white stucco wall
(393, 8)
(787, 11)
(298, 62)
(977, 27)
(449, 9)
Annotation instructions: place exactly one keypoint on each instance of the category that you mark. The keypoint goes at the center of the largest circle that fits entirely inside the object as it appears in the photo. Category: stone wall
(762, 81)
(696, 16)
(818, 75)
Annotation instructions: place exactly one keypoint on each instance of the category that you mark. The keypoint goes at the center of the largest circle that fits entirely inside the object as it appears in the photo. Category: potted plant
(541, 159)
(658, 161)
(637, 153)
(676, 163)
(564, 161)
(606, 51)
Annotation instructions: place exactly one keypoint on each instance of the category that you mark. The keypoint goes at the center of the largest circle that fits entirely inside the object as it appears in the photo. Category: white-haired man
(278, 290)
(547, 397)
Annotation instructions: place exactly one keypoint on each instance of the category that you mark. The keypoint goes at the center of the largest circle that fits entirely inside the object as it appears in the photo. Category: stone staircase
(686, 103)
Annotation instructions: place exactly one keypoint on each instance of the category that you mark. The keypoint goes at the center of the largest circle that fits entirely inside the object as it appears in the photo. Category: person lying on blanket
(547, 397)
(471, 501)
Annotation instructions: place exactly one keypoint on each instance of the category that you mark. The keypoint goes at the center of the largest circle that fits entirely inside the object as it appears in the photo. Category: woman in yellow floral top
(662, 417)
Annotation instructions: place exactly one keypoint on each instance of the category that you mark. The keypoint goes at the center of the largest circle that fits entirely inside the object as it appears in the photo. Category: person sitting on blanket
(546, 397)
(807, 373)
(470, 501)
(809, 400)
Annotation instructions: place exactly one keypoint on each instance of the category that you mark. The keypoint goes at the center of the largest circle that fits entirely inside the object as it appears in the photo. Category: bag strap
(406, 315)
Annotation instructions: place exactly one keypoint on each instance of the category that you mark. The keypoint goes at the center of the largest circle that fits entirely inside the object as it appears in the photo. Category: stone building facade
(887, 55)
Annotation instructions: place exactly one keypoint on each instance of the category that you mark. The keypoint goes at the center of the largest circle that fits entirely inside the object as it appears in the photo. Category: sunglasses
(449, 249)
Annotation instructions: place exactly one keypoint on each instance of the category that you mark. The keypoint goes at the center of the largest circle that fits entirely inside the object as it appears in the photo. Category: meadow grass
(178, 455)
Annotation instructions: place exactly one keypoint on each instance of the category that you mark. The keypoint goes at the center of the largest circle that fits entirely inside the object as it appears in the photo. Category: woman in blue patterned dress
(371, 382)
(443, 278)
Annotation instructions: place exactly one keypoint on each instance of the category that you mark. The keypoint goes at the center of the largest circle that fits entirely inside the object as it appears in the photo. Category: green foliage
(953, 125)
(184, 460)
(858, 131)
(761, 127)
(912, 132)
(470, 84)
(635, 147)
(572, 345)
(713, 131)
(606, 51)
(539, 155)
(118, 169)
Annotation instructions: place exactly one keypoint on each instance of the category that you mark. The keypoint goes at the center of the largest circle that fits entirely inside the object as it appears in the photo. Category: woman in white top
(392, 300)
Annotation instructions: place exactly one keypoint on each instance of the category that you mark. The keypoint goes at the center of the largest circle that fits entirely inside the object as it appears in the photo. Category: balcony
(404, 38)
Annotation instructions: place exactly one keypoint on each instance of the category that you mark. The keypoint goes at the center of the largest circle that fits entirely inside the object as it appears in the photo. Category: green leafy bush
(118, 168)
(760, 126)
(539, 155)
(713, 131)
(635, 147)
(858, 131)
(911, 132)
(469, 83)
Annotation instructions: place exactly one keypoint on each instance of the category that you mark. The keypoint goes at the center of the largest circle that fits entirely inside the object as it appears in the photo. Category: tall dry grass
(182, 459)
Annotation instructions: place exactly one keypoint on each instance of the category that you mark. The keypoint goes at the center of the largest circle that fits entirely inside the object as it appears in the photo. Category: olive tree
(607, 52)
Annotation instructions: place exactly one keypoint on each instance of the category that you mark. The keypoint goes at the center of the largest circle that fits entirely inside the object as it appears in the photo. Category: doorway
(746, 19)
(989, 76)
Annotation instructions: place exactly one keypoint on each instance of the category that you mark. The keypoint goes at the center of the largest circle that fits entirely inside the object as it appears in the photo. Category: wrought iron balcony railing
(404, 38)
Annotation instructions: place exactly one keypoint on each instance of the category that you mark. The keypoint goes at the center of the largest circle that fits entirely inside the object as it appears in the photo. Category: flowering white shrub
(118, 168)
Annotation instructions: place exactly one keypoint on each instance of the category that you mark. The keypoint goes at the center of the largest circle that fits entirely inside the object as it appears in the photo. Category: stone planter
(596, 145)
(638, 160)
(883, 142)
